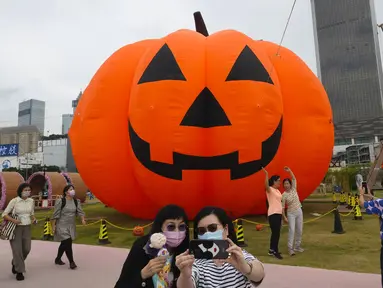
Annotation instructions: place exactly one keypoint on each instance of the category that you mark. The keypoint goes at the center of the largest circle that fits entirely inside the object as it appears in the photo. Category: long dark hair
(65, 192)
(273, 179)
(223, 218)
(172, 212)
(21, 187)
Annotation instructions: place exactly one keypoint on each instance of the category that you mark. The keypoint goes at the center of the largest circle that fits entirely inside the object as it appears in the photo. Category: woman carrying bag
(18, 216)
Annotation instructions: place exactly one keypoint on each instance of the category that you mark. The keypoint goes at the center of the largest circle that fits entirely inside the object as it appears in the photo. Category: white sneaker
(299, 249)
(291, 252)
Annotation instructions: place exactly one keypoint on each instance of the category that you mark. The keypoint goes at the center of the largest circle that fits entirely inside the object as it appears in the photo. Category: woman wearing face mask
(140, 265)
(274, 212)
(294, 213)
(240, 270)
(64, 224)
(24, 208)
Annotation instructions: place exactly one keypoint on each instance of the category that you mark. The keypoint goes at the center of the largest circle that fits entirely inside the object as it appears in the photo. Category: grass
(356, 250)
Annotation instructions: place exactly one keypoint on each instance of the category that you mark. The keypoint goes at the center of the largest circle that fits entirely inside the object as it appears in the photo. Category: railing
(42, 203)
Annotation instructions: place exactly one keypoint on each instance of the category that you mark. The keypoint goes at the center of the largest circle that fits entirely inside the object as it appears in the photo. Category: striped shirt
(206, 274)
(291, 198)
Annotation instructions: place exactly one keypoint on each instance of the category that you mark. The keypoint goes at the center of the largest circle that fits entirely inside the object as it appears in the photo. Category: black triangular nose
(205, 112)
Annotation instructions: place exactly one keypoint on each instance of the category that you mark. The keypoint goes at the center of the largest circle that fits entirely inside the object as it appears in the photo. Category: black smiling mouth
(229, 161)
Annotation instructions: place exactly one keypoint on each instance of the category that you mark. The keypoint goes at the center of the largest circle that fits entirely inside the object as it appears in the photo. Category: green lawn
(356, 250)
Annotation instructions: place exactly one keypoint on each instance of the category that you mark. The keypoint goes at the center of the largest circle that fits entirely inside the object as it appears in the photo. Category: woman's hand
(285, 219)
(237, 259)
(287, 169)
(17, 222)
(153, 267)
(184, 262)
(264, 170)
(83, 221)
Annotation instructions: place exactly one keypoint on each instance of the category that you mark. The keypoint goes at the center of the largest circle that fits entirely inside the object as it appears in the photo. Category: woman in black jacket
(141, 265)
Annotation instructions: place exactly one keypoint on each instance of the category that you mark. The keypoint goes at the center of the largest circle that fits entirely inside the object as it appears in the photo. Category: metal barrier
(41, 203)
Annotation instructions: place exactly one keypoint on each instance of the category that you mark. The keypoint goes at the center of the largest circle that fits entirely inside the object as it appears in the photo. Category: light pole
(380, 26)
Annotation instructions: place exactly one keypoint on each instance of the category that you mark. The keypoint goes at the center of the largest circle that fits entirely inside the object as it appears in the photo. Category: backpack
(63, 203)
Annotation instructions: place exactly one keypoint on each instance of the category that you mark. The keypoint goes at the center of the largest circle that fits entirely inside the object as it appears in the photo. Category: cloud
(50, 49)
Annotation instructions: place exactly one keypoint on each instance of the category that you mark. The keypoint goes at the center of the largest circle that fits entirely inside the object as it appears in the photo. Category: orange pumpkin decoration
(191, 119)
(138, 231)
(259, 227)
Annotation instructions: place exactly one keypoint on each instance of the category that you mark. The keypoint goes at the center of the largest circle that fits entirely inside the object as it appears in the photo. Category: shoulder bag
(7, 228)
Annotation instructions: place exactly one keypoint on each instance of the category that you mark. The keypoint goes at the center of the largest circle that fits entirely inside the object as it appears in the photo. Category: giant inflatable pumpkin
(191, 119)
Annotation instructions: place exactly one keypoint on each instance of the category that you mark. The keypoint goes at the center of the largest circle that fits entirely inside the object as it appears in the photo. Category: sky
(50, 49)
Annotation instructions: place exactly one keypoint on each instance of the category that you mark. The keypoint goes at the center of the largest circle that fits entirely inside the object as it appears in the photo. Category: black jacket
(131, 271)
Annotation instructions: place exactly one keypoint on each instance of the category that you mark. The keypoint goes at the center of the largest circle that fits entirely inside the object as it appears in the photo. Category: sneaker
(19, 277)
(291, 252)
(59, 262)
(299, 249)
(275, 254)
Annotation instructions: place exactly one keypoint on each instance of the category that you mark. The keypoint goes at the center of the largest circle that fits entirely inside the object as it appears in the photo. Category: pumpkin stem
(200, 26)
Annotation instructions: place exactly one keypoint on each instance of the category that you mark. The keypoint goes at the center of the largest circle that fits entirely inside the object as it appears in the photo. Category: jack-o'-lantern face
(190, 120)
(204, 106)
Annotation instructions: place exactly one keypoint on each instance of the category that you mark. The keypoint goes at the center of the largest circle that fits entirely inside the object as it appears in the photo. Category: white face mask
(72, 193)
(25, 194)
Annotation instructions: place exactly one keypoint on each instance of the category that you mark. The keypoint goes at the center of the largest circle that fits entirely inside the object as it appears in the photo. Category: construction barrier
(349, 200)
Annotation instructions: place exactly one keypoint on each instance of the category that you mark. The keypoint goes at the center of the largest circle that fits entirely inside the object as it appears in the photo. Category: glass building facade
(348, 57)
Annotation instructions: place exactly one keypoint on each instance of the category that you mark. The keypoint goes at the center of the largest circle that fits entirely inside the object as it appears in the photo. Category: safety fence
(103, 238)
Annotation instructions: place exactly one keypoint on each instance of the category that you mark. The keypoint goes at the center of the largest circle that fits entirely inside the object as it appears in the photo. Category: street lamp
(380, 26)
(44, 169)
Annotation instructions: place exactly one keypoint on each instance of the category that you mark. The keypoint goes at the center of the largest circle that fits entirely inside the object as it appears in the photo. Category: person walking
(274, 211)
(24, 208)
(294, 213)
(64, 225)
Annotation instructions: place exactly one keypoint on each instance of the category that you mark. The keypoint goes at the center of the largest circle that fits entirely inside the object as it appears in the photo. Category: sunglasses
(208, 228)
(172, 227)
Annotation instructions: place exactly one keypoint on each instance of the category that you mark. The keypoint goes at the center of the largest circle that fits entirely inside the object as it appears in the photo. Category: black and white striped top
(206, 274)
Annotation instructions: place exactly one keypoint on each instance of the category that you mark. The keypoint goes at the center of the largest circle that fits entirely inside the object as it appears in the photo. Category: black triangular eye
(162, 67)
(248, 67)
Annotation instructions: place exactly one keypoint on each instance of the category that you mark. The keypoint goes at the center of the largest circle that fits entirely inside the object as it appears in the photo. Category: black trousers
(275, 221)
(66, 246)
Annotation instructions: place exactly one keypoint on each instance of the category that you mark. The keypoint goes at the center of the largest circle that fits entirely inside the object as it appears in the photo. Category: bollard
(334, 198)
(47, 234)
(342, 200)
(349, 200)
(103, 238)
(357, 213)
(240, 234)
(338, 228)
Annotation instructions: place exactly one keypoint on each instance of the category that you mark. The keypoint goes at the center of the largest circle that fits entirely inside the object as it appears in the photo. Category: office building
(27, 138)
(75, 102)
(66, 122)
(71, 165)
(348, 58)
(32, 112)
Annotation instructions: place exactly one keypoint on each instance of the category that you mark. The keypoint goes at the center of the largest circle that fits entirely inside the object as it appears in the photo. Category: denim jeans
(295, 219)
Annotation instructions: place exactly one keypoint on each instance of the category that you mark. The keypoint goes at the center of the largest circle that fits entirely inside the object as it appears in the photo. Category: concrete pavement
(99, 267)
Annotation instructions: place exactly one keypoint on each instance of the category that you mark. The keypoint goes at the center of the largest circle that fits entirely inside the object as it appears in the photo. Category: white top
(206, 274)
(24, 209)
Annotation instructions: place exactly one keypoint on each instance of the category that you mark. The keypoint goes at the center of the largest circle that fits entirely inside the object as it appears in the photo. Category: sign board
(7, 150)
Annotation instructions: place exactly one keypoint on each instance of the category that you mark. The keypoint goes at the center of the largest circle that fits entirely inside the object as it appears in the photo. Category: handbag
(7, 229)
